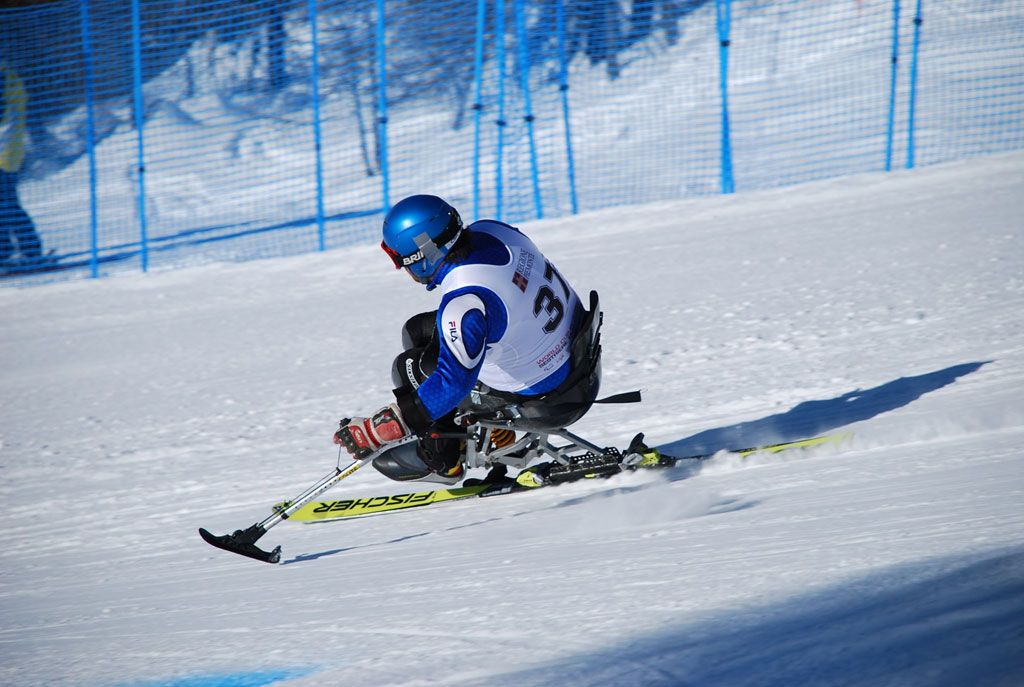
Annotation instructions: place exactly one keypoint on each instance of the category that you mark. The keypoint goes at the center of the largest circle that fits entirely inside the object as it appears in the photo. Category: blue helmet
(419, 233)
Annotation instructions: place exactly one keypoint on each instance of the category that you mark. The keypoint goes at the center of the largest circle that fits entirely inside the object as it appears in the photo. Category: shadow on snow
(302, 558)
(941, 623)
(813, 418)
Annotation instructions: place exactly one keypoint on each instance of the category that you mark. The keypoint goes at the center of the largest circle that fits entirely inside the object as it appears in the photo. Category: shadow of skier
(306, 557)
(812, 418)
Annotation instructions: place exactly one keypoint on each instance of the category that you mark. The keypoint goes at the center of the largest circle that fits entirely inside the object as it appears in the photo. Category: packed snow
(141, 407)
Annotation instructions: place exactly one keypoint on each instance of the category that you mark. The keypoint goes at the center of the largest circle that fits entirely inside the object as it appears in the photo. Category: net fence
(142, 134)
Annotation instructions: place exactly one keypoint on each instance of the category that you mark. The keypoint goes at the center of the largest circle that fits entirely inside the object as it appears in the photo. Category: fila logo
(453, 332)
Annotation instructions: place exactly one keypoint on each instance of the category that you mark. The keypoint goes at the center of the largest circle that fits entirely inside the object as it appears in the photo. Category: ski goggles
(396, 258)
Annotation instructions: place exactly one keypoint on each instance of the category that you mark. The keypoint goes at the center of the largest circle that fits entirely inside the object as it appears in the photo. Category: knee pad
(419, 330)
(411, 368)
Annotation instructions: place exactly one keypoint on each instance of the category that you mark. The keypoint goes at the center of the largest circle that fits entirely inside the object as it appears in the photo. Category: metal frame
(533, 444)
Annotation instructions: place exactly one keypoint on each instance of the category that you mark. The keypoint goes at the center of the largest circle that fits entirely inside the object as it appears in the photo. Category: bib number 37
(547, 300)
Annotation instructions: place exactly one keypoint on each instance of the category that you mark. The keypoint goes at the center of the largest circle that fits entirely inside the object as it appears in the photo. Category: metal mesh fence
(141, 134)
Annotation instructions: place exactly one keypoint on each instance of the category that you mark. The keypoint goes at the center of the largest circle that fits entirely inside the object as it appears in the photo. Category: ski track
(139, 408)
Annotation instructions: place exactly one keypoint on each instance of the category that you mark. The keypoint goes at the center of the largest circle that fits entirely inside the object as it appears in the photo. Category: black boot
(443, 456)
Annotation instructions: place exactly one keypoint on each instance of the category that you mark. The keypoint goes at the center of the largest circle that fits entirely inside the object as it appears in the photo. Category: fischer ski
(530, 479)
(352, 507)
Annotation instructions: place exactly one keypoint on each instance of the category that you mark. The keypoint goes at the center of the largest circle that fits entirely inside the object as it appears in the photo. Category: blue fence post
(524, 78)
(563, 88)
(90, 141)
(315, 77)
(895, 59)
(139, 122)
(918, 19)
(723, 14)
(499, 34)
(382, 107)
(478, 106)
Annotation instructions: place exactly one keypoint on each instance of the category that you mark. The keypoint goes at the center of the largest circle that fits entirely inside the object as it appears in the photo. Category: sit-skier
(503, 333)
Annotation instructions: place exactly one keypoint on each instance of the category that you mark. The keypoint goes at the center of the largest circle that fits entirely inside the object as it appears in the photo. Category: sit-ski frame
(533, 444)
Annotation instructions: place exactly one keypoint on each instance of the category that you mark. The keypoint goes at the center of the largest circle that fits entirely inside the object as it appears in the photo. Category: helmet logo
(411, 259)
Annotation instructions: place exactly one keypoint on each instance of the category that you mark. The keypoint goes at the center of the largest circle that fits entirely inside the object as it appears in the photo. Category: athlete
(503, 333)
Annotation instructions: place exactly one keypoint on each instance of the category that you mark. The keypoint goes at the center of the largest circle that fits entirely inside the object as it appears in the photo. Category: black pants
(15, 222)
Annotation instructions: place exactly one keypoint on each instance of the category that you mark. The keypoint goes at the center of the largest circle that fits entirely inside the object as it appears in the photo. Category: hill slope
(138, 408)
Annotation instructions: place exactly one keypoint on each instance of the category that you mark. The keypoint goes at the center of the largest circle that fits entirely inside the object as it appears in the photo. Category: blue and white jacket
(505, 318)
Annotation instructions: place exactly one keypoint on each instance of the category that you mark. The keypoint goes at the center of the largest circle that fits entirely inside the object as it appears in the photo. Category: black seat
(567, 403)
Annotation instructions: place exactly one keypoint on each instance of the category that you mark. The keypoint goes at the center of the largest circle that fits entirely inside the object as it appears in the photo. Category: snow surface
(140, 407)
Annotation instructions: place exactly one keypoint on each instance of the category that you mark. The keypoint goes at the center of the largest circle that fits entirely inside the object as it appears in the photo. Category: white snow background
(139, 408)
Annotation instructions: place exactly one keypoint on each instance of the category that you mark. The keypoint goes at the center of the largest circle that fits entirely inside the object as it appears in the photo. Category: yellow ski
(369, 505)
(322, 511)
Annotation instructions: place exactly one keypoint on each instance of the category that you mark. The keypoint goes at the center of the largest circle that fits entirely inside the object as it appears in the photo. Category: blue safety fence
(144, 134)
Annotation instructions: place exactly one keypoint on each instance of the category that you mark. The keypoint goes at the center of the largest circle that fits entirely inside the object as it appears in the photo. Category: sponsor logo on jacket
(555, 351)
(524, 266)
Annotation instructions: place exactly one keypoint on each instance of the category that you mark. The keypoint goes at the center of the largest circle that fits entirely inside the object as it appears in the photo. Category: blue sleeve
(466, 320)
(451, 381)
